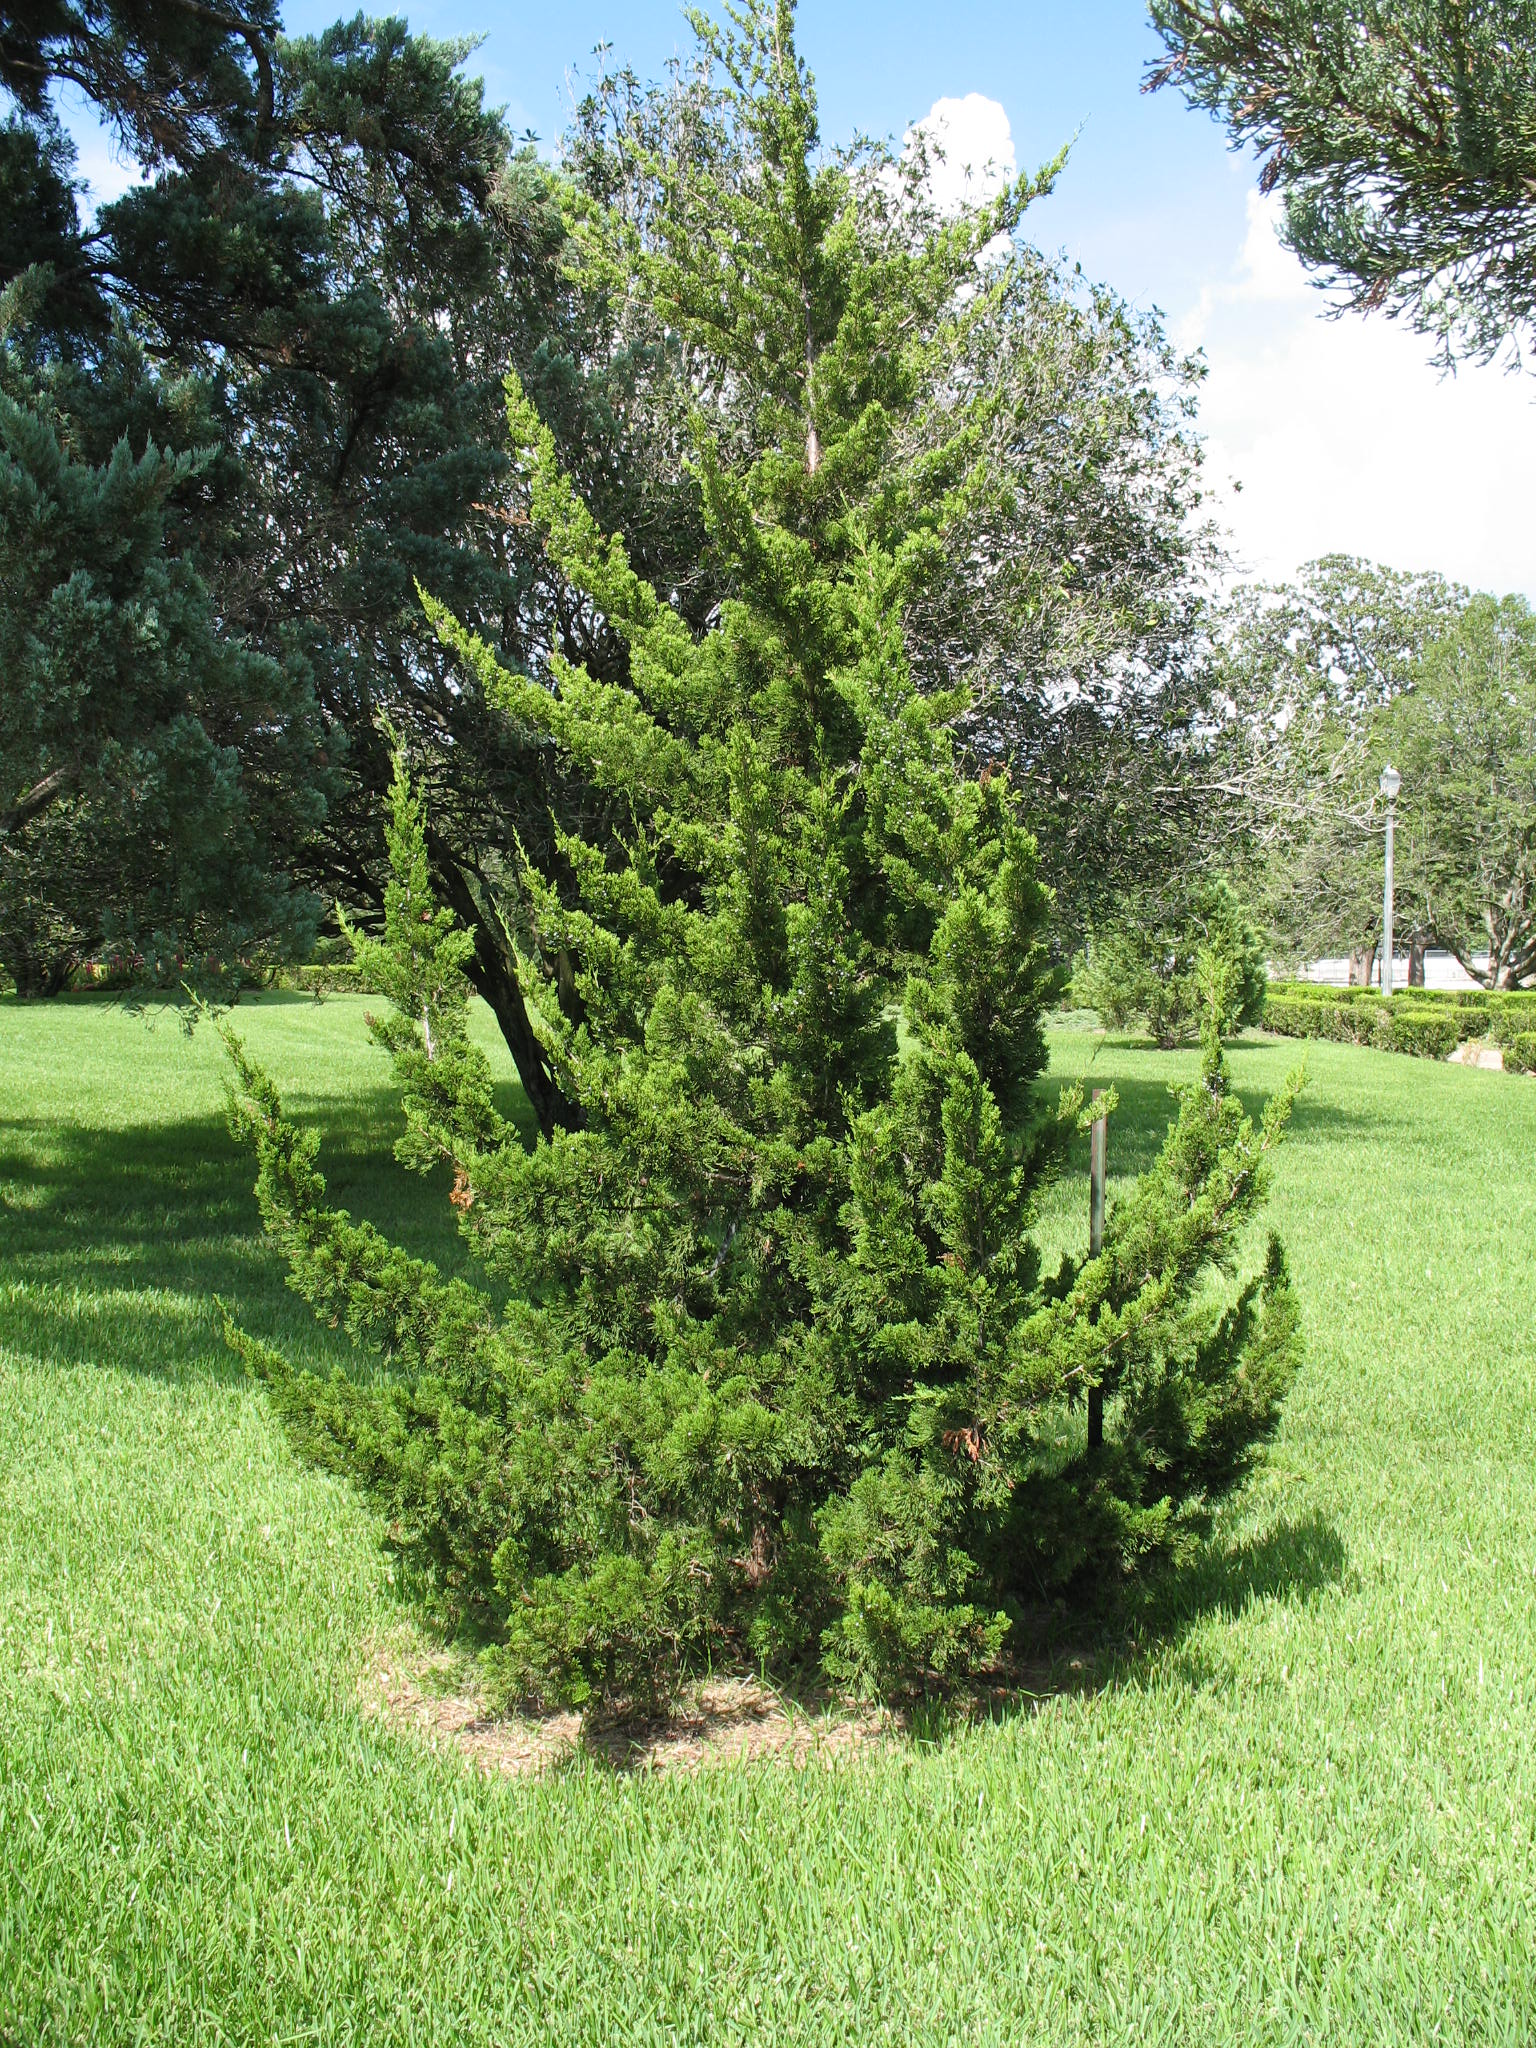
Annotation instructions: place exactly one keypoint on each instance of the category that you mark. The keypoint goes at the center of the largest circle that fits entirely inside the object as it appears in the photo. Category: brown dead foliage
(716, 1721)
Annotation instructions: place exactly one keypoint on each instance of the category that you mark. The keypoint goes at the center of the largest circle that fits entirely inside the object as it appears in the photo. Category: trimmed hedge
(1514, 1016)
(1434, 998)
(1431, 1034)
(1520, 1052)
(1431, 1029)
(324, 974)
(1520, 1001)
(325, 978)
(1451, 1000)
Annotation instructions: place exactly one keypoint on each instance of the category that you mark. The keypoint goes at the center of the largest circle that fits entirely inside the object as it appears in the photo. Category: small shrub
(1148, 969)
(1432, 1034)
(1323, 1013)
(1295, 1017)
(1474, 1017)
(1514, 1016)
(1520, 1052)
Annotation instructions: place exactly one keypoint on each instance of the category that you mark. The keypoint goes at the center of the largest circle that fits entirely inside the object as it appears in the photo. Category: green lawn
(1304, 1812)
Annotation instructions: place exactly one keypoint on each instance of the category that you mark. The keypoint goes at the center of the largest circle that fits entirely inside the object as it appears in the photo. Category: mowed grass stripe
(1302, 1811)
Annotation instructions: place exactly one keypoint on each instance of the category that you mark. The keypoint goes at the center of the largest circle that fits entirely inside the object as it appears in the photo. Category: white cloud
(970, 158)
(972, 151)
(108, 177)
(1344, 436)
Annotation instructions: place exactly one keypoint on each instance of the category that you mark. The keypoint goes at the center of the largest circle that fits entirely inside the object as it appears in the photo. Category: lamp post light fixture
(1391, 783)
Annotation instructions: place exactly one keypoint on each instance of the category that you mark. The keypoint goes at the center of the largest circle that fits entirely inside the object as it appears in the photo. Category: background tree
(1302, 674)
(1464, 737)
(153, 773)
(779, 1375)
(157, 773)
(334, 255)
(1402, 136)
(1157, 966)
(1071, 604)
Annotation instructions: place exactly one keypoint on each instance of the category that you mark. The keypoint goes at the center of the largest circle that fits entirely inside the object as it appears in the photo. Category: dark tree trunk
(1416, 950)
(36, 977)
(20, 967)
(1360, 965)
(492, 973)
(571, 1005)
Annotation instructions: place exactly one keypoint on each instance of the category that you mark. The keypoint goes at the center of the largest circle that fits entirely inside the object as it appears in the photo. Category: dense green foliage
(1402, 134)
(1167, 956)
(153, 773)
(178, 79)
(1464, 737)
(1297, 1800)
(780, 1376)
(1431, 1022)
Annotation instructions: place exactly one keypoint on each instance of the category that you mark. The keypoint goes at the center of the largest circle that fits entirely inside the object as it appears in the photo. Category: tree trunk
(1485, 978)
(19, 965)
(36, 977)
(1360, 965)
(1416, 951)
(492, 973)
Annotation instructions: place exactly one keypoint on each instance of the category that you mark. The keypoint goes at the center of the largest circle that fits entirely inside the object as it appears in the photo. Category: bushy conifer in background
(780, 1378)
(156, 772)
(1151, 966)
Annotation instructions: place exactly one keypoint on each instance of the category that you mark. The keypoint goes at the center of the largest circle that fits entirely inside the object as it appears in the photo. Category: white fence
(1441, 970)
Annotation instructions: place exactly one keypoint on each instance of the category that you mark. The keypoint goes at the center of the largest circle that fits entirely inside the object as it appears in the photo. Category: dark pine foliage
(1401, 135)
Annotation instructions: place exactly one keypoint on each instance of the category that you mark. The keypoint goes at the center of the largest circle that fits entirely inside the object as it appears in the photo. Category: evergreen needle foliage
(779, 1377)
(1152, 966)
(1402, 137)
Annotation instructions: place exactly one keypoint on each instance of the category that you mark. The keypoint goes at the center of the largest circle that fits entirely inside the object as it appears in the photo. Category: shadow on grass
(1147, 1107)
(116, 1241)
(1296, 1561)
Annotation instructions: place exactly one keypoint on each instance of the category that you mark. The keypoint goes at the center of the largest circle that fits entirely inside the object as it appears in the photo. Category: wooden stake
(1098, 1163)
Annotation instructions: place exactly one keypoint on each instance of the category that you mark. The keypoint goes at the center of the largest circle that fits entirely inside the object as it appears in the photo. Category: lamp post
(1391, 783)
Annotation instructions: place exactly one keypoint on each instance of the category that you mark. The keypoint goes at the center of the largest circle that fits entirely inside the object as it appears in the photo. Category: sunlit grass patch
(1298, 1805)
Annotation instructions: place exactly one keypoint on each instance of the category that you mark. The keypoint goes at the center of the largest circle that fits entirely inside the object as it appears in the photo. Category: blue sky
(1150, 187)
(1321, 435)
